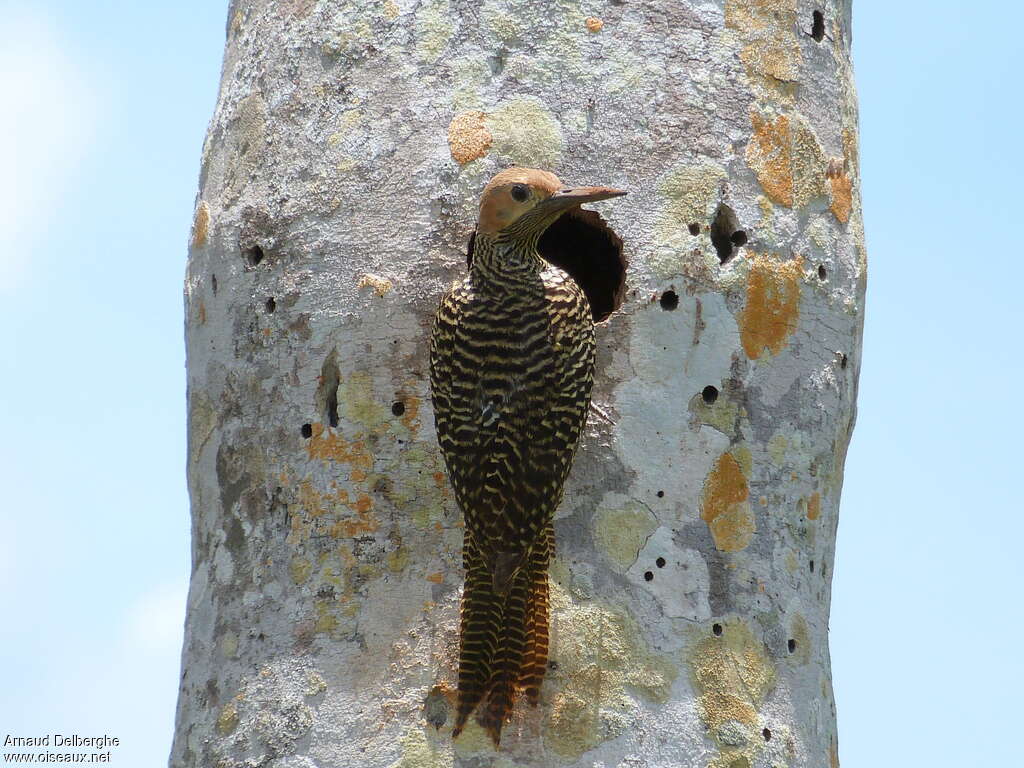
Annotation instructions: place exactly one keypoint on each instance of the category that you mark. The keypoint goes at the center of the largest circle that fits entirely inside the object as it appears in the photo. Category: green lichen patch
(525, 133)
(433, 29)
(621, 533)
(609, 671)
(691, 193)
(418, 752)
(732, 675)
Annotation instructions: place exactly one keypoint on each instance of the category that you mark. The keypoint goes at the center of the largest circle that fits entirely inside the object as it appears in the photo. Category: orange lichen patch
(201, 312)
(326, 513)
(311, 499)
(594, 24)
(468, 137)
(357, 476)
(787, 158)
(724, 505)
(439, 479)
(833, 755)
(771, 52)
(380, 285)
(770, 155)
(326, 445)
(814, 506)
(842, 196)
(200, 224)
(773, 304)
(412, 409)
(437, 578)
(363, 524)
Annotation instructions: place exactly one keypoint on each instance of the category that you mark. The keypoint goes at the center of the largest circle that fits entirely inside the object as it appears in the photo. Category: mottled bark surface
(338, 187)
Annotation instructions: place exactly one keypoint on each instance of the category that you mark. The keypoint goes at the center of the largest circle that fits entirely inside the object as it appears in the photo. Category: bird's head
(522, 201)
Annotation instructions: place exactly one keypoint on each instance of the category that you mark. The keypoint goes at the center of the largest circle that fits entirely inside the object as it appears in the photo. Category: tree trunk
(339, 183)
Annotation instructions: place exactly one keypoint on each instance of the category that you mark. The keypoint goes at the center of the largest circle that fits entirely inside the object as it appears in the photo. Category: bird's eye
(520, 192)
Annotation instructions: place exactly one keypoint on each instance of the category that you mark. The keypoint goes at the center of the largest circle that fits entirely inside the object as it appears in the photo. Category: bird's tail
(503, 639)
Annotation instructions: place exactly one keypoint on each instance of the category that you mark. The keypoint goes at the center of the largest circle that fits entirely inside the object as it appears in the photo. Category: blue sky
(109, 103)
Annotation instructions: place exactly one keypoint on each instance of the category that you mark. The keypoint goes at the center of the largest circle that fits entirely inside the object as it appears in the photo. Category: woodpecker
(511, 370)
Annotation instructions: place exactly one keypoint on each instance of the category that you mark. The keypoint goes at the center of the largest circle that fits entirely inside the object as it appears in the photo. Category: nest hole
(709, 394)
(669, 300)
(818, 26)
(253, 255)
(726, 235)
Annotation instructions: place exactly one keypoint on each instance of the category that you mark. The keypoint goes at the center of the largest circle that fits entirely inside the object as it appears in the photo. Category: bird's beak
(567, 198)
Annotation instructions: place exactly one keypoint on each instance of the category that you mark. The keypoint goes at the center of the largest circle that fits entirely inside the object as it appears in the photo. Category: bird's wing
(542, 419)
(509, 419)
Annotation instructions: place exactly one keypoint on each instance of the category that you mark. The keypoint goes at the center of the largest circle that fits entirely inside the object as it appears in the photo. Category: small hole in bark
(717, 629)
(723, 228)
(332, 407)
(812, 566)
(661, 494)
(818, 26)
(842, 362)
(648, 576)
(791, 645)
(822, 274)
(213, 282)
(254, 255)
(552, 664)
(307, 431)
(738, 238)
(695, 229)
(710, 394)
(327, 392)
(669, 300)
(660, 562)
(398, 408)
(767, 734)
(271, 305)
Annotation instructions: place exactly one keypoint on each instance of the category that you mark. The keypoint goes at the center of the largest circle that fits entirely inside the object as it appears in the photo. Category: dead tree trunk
(338, 186)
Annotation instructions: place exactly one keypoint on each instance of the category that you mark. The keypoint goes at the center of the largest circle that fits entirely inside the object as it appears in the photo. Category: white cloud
(48, 118)
(154, 625)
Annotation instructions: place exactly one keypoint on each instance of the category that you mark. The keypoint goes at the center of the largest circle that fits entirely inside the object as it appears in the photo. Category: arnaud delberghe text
(62, 740)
